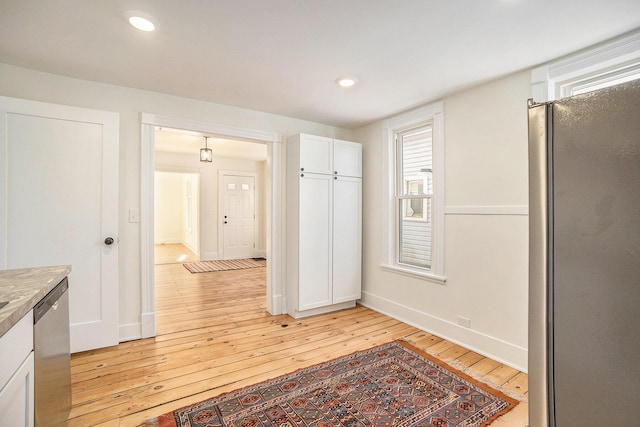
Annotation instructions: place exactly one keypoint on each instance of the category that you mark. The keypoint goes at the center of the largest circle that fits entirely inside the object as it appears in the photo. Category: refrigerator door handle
(539, 232)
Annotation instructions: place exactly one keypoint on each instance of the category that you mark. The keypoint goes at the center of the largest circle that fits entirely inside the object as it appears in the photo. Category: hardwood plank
(214, 336)
(173, 253)
(501, 374)
(453, 352)
(483, 367)
(519, 384)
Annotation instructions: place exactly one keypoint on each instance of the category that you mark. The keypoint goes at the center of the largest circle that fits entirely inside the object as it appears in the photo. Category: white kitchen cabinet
(347, 158)
(17, 374)
(324, 224)
(347, 239)
(315, 154)
(314, 237)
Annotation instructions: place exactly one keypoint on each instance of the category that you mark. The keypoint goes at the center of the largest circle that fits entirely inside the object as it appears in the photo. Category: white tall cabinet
(324, 224)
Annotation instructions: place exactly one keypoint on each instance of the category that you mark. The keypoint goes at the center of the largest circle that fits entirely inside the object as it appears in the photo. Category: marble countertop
(23, 288)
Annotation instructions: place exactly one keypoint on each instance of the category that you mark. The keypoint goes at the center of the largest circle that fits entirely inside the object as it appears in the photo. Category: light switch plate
(134, 215)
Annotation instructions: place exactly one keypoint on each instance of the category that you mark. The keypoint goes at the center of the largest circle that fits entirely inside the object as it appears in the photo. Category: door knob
(108, 241)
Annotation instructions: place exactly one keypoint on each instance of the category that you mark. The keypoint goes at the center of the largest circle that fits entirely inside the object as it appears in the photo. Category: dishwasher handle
(50, 301)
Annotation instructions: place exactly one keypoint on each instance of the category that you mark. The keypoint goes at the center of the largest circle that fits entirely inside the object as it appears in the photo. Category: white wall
(209, 195)
(485, 224)
(129, 103)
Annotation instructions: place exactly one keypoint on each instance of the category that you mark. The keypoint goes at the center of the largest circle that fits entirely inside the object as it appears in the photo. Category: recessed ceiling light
(140, 20)
(346, 81)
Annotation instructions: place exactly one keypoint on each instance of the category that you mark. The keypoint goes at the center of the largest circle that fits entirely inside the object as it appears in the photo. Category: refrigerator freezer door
(595, 282)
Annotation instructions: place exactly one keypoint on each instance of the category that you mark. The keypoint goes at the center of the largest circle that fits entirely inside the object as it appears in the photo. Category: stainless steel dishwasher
(52, 357)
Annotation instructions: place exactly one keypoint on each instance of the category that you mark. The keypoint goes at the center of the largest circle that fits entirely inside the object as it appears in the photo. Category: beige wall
(170, 213)
(486, 226)
(168, 208)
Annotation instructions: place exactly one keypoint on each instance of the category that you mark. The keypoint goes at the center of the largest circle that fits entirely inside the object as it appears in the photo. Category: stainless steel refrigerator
(584, 270)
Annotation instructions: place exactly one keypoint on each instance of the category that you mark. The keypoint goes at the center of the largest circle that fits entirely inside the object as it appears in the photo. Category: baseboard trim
(129, 332)
(209, 256)
(148, 325)
(277, 304)
(498, 350)
(321, 310)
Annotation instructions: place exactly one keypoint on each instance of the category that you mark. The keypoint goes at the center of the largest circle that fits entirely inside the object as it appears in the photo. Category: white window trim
(553, 80)
(430, 113)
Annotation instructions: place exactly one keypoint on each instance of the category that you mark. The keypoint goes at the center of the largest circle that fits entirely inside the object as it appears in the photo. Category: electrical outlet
(464, 321)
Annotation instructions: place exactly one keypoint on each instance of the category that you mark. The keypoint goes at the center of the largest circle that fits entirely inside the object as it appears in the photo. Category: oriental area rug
(230, 264)
(394, 384)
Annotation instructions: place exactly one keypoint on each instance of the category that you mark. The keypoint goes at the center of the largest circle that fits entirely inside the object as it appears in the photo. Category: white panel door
(238, 216)
(59, 198)
(347, 239)
(315, 241)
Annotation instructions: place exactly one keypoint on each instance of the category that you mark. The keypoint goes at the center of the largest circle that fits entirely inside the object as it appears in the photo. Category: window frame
(431, 114)
(591, 67)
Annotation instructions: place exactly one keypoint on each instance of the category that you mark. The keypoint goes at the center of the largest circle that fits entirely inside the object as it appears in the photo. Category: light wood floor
(214, 336)
(172, 253)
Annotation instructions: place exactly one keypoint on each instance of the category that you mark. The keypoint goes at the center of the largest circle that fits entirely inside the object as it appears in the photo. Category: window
(413, 195)
(415, 188)
(611, 78)
(610, 63)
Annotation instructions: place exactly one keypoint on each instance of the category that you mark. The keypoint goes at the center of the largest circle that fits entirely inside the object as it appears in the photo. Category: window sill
(416, 274)
(414, 219)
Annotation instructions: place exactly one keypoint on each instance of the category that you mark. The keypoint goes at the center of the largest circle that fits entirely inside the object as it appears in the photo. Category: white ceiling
(283, 56)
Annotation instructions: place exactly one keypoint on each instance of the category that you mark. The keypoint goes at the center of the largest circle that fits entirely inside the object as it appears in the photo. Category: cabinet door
(16, 397)
(347, 158)
(314, 241)
(316, 154)
(347, 239)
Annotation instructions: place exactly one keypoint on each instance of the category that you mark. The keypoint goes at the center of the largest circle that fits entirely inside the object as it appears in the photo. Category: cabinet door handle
(335, 172)
(301, 169)
(335, 177)
(301, 175)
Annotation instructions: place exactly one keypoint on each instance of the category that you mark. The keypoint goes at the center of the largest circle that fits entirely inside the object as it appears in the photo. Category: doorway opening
(231, 148)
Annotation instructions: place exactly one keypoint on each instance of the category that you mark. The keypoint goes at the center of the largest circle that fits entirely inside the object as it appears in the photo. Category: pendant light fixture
(206, 154)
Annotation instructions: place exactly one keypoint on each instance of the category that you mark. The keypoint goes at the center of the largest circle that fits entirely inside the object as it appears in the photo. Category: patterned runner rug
(231, 264)
(394, 384)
